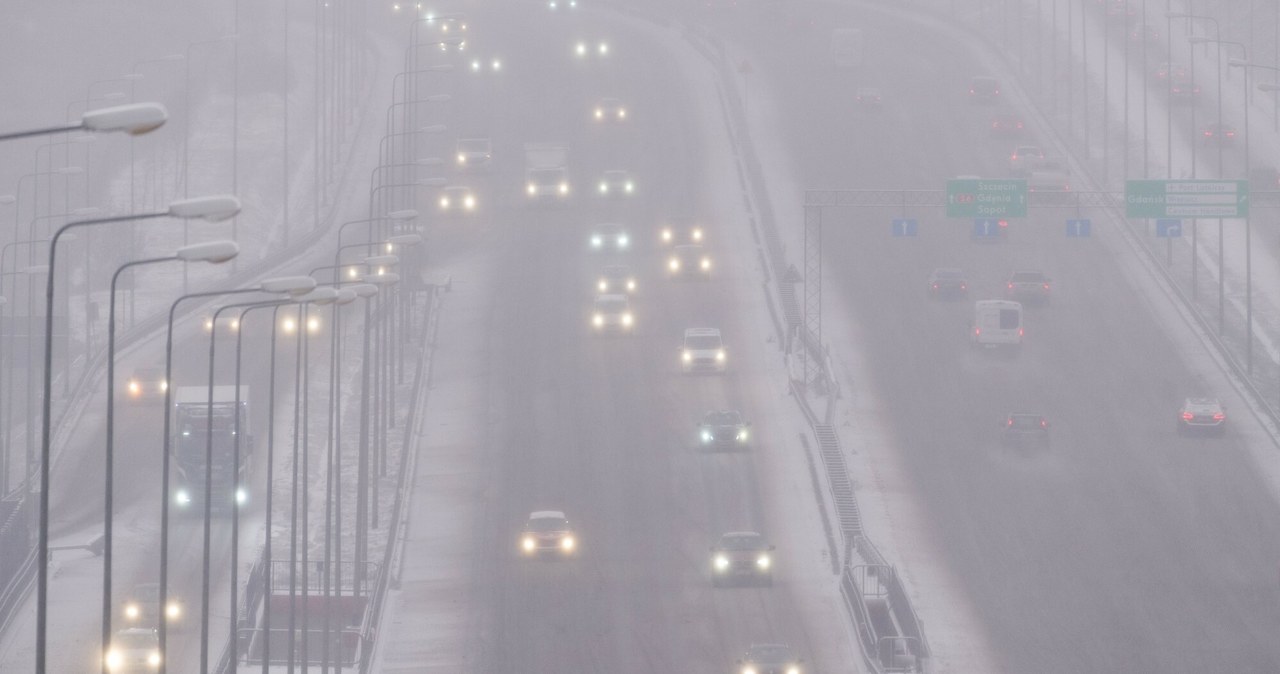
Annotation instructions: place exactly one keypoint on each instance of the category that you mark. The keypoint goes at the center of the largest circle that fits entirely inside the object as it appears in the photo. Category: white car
(616, 183)
(612, 313)
(590, 49)
(610, 110)
(457, 199)
(135, 649)
(702, 351)
(609, 236)
(1025, 159)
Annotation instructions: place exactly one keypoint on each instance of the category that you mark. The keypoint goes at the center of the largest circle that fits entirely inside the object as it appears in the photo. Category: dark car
(724, 429)
(1027, 286)
(1007, 125)
(983, 89)
(948, 283)
(869, 98)
(147, 385)
(741, 556)
(769, 659)
(1204, 416)
(1023, 430)
(1223, 134)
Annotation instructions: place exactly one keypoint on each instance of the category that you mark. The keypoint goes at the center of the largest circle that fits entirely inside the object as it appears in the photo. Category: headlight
(313, 324)
(528, 544)
(674, 264)
(470, 203)
(164, 386)
(666, 234)
(630, 187)
(705, 263)
(174, 611)
(134, 388)
(183, 497)
(564, 188)
(631, 284)
(624, 241)
(581, 49)
(603, 286)
(599, 113)
(622, 113)
(604, 48)
(748, 670)
(444, 202)
(720, 356)
(597, 320)
(742, 435)
(604, 188)
(696, 235)
(596, 241)
(763, 561)
(496, 65)
(706, 436)
(793, 670)
(241, 496)
(627, 320)
(153, 658)
(686, 357)
(113, 659)
(532, 189)
(289, 326)
(462, 158)
(475, 66)
(208, 324)
(721, 562)
(567, 543)
(131, 611)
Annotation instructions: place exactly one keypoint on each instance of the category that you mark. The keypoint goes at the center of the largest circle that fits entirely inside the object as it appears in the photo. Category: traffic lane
(1118, 493)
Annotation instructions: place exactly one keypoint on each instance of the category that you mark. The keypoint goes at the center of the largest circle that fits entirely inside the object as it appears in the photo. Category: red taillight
(964, 286)
(1014, 156)
(1187, 416)
(1019, 332)
(1003, 223)
(1010, 286)
(1219, 416)
(977, 331)
(935, 286)
(1044, 424)
(1046, 286)
(1009, 423)
(995, 125)
(1208, 134)
(1019, 125)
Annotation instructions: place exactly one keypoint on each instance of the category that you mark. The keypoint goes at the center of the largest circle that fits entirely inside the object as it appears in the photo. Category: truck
(546, 171)
(227, 422)
(996, 324)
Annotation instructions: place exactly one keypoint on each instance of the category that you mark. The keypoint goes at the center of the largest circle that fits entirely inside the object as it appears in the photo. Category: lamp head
(212, 209)
(292, 285)
(134, 119)
(215, 252)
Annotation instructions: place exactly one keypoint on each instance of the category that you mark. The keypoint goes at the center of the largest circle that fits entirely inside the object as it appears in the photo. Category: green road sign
(974, 198)
(1186, 198)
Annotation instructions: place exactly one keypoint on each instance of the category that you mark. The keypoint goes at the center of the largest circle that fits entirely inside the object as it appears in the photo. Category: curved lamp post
(134, 119)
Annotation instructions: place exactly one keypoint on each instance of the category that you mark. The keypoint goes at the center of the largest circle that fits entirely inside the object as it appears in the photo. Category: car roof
(741, 534)
(944, 271)
(689, 248)
(609, 225)
(615, 172)
(702, 332)
(610, 297)
(546, 514)
(616, 270)
(1027, 272)
(1203, 402)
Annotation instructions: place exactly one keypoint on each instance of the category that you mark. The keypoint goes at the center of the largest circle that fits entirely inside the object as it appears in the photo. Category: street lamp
(134, 119)
(207, 208)
(1248, 229)
(286, 285)
(362, 472)
(215, 252)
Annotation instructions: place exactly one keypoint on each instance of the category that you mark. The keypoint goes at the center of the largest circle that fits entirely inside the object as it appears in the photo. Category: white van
(996, 324)
(847, 47)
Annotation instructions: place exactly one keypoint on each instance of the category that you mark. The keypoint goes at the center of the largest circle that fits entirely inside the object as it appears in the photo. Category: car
(689, 260)
(491, 64)
(1164, 70)
(562, 4)
(741, 557)
(609, 236)
(141, 608)
(473, 154)
(590, 49)
(146, 385)
(723, 429)
(947, 283)
(453, 31)
(1025, 159)
(133, 649)
(547, 532)
(868, 97)
(1006, 125)
(1147, 34)
(679, 230)
(612, 313)
(456, 199)
(1205, 416)
(702, 351)
(616, 279)
(769, 659)
(1182, 86)
(1223, 134)
(228, 325)
(616, 183)
(610, 110)
(1048, 181)
(1027, 286)
(1025, 430)
(984, 89)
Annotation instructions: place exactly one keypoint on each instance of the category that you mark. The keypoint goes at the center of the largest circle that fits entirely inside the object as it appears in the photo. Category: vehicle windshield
(135, 640)
(547, 175)
(741, 542)
(548, 524)
(1027, 277)
(701, 342)
(611, 305)
(724, 418)
(770, 655)
(948, 274)
(473, 145)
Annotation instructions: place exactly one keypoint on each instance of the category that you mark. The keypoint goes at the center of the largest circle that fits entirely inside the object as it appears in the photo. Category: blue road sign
(1079, 228)
(986, 228)
(1168, 228)
(905, 226)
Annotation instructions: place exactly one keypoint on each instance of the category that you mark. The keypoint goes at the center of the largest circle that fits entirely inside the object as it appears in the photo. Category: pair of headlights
(721, 563)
